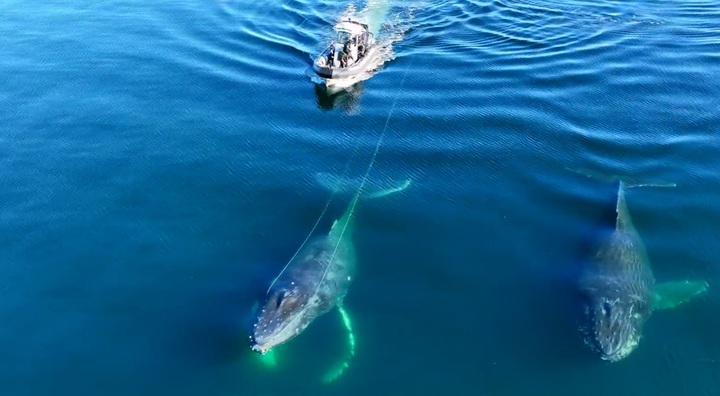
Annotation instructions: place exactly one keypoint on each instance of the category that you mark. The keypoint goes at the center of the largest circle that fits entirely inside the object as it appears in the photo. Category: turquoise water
(157, 165)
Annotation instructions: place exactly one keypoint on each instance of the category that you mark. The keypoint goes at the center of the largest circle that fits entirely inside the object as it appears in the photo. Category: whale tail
(372, 188)
(621, 216)
(668, 295)
(365, 188)
(623, 181)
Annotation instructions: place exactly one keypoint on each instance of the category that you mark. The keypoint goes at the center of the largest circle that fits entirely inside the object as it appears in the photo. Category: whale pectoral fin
(669, 295)
(338, 369)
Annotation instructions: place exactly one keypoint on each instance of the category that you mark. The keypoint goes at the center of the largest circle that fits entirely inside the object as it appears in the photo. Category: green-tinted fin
(669, 295)
(269, 360)
(338, 368)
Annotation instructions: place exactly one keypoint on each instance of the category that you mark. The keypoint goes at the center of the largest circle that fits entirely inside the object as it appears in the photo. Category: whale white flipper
(668, 295)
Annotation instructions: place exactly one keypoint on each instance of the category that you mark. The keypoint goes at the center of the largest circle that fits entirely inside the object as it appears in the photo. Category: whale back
(617, 286)
(312, 284)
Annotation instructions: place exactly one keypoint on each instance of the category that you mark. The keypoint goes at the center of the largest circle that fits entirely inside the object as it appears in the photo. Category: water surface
(157, 164)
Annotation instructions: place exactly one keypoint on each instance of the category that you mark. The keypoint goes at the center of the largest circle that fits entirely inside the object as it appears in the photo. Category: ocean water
(157, 164)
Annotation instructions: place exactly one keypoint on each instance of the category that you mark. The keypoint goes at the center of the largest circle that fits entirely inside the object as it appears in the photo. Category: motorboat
(350, 56)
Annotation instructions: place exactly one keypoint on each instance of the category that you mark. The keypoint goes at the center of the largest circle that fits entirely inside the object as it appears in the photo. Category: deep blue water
(156, 172)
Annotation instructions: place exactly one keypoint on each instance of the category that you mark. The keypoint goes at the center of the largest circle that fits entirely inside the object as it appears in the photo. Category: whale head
(614, 325)
(283, 315)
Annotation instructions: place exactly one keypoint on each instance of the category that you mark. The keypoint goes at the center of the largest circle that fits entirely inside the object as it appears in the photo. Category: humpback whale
(314, 282)
(619, 289)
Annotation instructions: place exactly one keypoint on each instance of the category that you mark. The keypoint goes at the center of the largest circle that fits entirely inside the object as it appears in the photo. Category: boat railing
(322, 60)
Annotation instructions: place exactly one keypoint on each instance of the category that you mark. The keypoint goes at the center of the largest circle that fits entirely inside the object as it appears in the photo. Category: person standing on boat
(361, 45)
(354, 48)
(344, 59)
(331, 57)
(351, 51)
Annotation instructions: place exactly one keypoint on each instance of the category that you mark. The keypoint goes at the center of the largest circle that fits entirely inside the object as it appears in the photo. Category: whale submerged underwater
(316, 279)
(619, 288)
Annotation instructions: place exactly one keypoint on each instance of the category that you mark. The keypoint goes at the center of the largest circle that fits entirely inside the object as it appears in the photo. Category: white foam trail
(375, 13)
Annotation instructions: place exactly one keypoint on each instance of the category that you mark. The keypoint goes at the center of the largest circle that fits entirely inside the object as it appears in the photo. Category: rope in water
(327, 204)
(365, 176)
(337, 370)
(322, 214)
